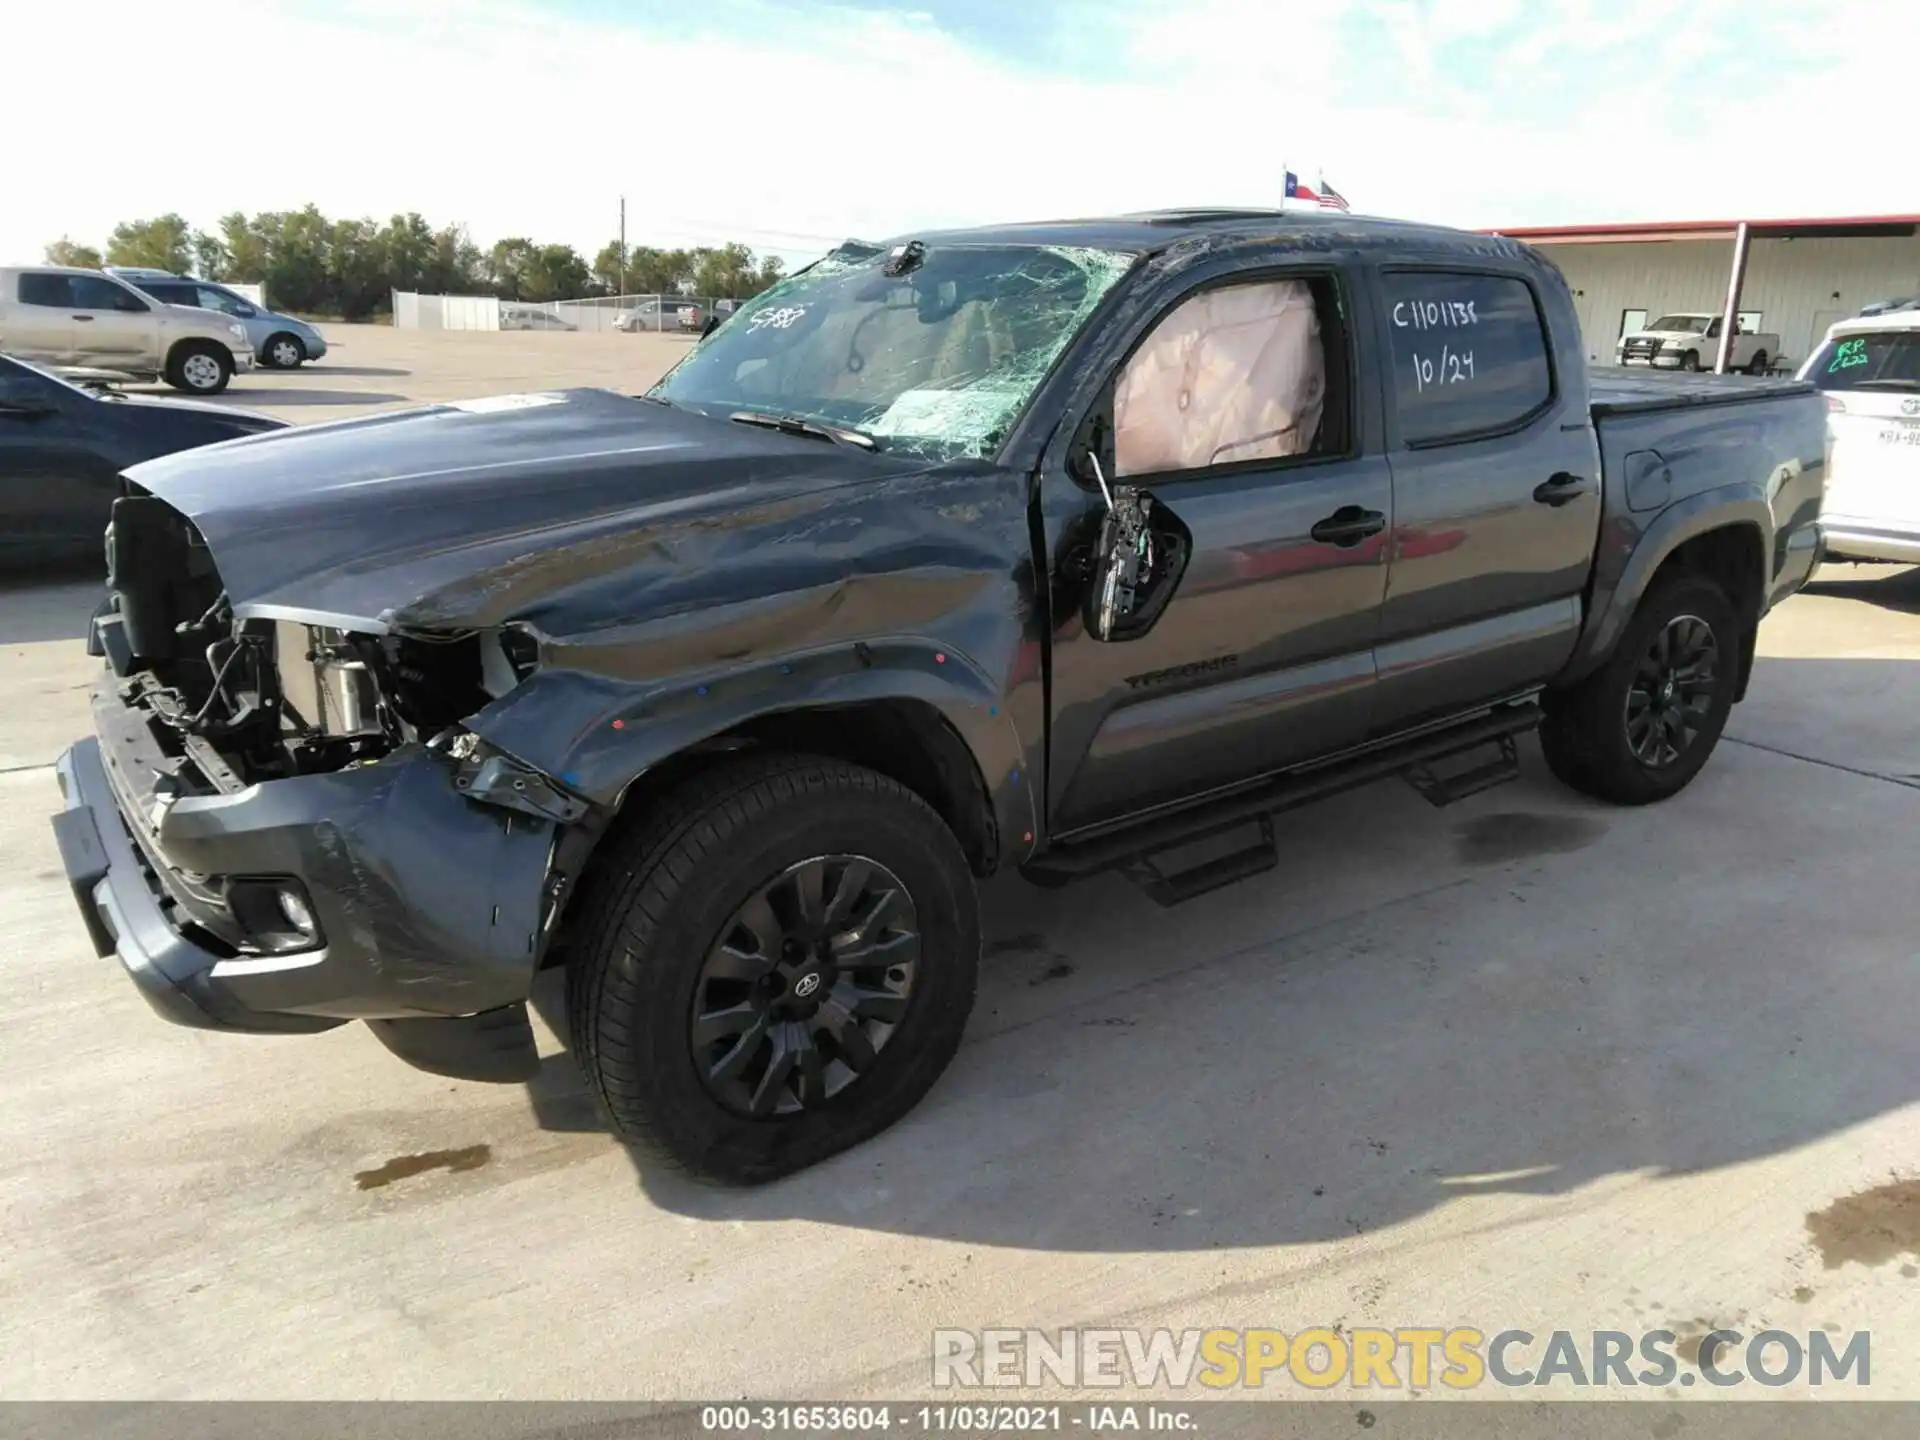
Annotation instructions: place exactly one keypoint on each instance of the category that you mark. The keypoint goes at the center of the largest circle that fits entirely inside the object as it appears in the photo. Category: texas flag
(1326, 197)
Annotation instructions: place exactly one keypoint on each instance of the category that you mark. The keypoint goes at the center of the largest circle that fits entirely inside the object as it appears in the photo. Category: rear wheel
(1640, 727)
(1757, 365)
(776, 966)
(200, 367)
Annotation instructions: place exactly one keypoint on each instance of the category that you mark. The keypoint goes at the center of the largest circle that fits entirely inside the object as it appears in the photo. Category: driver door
(1255, 438)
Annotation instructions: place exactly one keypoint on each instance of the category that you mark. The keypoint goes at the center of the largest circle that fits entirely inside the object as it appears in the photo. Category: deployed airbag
(1233, 374)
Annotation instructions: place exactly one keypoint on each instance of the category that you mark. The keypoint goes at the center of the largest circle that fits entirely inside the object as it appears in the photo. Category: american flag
(1326, 197)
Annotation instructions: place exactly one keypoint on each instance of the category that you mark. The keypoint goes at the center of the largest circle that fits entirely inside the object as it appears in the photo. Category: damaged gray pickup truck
(1067, 548)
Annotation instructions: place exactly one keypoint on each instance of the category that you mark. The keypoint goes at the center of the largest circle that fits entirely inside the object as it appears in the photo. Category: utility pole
(623, 244)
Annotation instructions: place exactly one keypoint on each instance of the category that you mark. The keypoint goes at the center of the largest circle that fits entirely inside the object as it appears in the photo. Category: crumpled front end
(280, 826)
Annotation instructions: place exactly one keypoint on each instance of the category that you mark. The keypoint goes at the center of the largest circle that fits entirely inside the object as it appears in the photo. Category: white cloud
(803, 125)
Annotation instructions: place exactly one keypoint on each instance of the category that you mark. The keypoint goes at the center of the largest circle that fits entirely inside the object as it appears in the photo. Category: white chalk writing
(1448, 367)
(1433, 314)
(778, 319)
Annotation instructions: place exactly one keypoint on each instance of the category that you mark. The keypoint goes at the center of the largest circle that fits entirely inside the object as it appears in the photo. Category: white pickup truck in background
(1692, 342)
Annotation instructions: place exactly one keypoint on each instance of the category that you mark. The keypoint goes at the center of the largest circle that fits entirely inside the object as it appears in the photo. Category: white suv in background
(1870, 368)
(59, 316)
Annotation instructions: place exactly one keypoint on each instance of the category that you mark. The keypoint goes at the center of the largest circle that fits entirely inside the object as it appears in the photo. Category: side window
(171, 294)
(91, 292)
(53, 291)
(1234, 373)
(212, 299)
(1713, 330)
(1469, 353)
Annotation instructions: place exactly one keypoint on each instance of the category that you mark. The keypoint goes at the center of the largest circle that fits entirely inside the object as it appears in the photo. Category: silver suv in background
(60, 316)
(283, 342)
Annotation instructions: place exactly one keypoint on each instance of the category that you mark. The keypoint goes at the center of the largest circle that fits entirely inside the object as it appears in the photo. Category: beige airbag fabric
(1233, 374)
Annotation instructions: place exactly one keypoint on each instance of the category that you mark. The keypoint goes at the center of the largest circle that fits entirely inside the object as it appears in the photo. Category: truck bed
(1618, 391)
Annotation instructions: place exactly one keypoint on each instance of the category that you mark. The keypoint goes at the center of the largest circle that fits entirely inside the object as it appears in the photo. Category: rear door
(40, 321)
(1872, 380)
(114, 328)
(1496, 491)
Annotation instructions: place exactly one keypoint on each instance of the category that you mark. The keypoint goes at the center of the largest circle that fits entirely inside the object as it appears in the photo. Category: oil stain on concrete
(1520, 835)
(1873, 1227)
(403, 1167)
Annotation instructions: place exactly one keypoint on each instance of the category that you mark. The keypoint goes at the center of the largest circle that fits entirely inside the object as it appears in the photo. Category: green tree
(210, 258)
(457, 266)
(659, 272)
(356, 270)
(246, 248)
(556, 272)
(508, 264)
(164, 243)
(610, 267)
(406, 251)
(297, 272)
(65, 252)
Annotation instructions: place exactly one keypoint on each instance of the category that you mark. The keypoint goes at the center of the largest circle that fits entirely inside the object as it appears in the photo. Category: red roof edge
(1697, 229)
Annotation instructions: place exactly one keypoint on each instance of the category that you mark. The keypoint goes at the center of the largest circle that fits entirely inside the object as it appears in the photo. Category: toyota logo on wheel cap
(807, 984)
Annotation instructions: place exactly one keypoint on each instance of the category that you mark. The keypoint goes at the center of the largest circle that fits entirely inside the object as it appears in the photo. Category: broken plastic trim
(493, 777)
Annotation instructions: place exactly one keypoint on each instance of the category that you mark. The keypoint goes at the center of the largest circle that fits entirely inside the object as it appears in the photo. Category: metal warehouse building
(1794, 277)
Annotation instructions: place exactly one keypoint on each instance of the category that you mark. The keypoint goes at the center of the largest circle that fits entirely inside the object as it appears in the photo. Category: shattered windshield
(937, 361)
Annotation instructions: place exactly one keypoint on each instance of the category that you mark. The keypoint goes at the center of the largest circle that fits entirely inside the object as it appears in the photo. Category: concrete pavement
(1528, 1061)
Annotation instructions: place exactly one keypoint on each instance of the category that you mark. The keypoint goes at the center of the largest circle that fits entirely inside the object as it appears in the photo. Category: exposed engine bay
(249, 700)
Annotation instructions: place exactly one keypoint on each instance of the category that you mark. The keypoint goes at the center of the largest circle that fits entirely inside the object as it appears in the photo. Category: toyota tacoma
(1061, 548)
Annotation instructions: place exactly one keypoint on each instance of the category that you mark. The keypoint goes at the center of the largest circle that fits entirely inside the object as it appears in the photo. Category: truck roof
(1149, 231)
(1872, 324)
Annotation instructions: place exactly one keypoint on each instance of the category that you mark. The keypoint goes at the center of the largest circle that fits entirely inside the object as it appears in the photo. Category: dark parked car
(62, 449)
(1053, 547)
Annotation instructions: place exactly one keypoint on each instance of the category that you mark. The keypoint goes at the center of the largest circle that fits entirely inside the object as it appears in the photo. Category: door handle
(1348, 526)
(1559, 488)
(87, 318)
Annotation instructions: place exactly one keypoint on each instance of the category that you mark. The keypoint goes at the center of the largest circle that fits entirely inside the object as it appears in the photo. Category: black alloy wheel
(1638, 728)
(1671, 699)
(807, 982)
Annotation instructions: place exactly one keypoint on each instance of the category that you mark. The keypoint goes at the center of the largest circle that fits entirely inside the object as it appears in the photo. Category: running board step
(1139, 849)
(1495, 769)
(1182, 885)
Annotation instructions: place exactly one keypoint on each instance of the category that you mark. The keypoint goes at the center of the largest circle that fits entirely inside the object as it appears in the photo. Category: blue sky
(789, 123)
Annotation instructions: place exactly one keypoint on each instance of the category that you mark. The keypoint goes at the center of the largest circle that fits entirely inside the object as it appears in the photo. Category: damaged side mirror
(1139, 554)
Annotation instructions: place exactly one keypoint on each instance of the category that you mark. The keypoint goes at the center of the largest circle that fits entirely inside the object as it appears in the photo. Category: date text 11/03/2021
(961, 1419)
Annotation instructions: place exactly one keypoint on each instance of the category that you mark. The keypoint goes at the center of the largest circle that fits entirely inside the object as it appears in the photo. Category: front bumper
(243, 360)
(430, 905)
(316, 346)
(1846, 539)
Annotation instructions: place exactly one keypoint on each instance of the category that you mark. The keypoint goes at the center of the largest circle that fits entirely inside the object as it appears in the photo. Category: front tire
(199, 367)
(1690, 361)
(1640, 727)
(775, 966)
(284, 352)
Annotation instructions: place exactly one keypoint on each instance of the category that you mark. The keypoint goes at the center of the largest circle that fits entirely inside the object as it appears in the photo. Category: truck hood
(1663, 335)
(456, 515)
